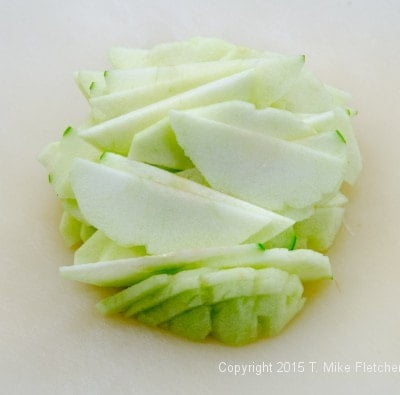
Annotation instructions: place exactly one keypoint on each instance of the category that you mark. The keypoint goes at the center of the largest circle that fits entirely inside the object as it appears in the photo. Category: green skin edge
(290, 248)
(351, 112)
(50, 178)
(103, 155)
(338, 132)
(261, 246)
(293, 244)
(67, 131)
(91, 86)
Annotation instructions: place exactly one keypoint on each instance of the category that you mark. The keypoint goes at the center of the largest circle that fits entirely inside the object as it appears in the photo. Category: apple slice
(319, 231)
(157, 145)
(166, 178)
(122, 300)
(331, 143)
(70, 229)
(120, 102)
(286, 239)
(275, 310)
(307, 94)
(194, 324)
(122, 80)
(72, 208)
(57, 159)
(91, 83)
(263, 170)
(86, 232)
(193, 175)
(270, 121)
(307, 264)
(134, 210)
(261, 85)
(116, 134)
(100, 248)
(298, 214)
(234, 321)
(198, 49)
(339, 119)
(339, 200)
(181, 294)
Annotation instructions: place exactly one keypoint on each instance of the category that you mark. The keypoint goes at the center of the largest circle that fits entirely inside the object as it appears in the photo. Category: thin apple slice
(134, 210)
(263, 170)
(86, 232)
(194, 324)
(339, 119)
(163, 177)
(124, 299)
(307, 94)
(193, 175)
(72, 208)
(339, 200)
(183, 291)
(308, 265)
(331, 143)
(58, 157)
(70, 229)
(157, 145)
(100, 248)
(270, 121)
(122, 80)
(91, 83)
(261, 85)
(197, 49)
(120, 102)
(319, 231)
(116, 134)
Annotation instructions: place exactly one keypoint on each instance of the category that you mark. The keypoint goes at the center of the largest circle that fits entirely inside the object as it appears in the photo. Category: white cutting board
(52, 340)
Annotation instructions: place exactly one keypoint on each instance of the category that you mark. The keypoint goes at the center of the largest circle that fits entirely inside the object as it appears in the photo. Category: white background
(52, 341)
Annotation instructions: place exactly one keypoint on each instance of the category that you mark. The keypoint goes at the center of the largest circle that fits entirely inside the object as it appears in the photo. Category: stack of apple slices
(206, 182)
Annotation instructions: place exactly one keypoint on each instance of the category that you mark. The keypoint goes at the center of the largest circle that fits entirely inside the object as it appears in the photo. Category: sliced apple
(198, 49)
(263, 170)
(307, 94)
(319, 231)
(308, 265)
(134, 210)
(100, 248)
(157, 145)
(120, 102)
(339, 119)
(261, 85)
(58, 157)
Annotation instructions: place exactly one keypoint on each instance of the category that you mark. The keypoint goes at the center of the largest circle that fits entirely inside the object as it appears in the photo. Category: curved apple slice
(263, 170)
(135, 210)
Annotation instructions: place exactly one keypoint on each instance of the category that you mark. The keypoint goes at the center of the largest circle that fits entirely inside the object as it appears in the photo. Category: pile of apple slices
(206, 182)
